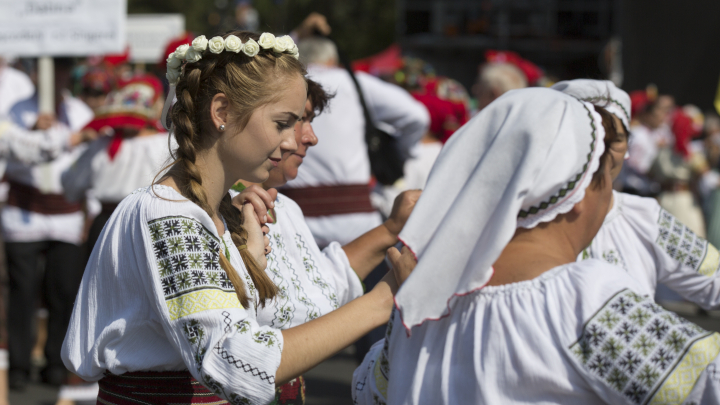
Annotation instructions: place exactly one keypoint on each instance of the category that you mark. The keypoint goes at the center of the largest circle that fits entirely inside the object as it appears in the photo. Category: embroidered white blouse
(312, 282)
(155, 298)
(654, 247)
(578, 334)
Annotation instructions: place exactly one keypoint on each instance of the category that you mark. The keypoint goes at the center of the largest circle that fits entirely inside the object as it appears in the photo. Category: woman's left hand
(401, 210)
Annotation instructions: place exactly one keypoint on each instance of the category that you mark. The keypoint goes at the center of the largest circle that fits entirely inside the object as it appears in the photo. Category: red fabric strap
(30, 198)
(331, 200)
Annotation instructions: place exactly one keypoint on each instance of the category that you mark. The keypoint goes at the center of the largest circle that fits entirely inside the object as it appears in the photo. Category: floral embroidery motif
(312, 309)
(285, 310)
(311, 268)
(187, 256)
(647, 354)
(685, 246)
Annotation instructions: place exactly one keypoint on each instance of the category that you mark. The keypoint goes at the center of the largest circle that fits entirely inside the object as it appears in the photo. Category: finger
(394, 256)
(265, 229)
(273, 195)
(257, 203)
(267, 198)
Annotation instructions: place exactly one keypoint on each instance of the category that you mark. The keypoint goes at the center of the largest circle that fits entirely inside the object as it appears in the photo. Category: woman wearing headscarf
(637, 234)
(498, 310)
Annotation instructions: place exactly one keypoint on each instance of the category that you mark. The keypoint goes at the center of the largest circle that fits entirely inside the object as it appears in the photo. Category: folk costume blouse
(582, 333)
(312, 282)
(654, 247)
(154, 298)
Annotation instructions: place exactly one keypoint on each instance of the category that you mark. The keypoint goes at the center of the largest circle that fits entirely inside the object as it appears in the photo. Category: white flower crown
(193, 53)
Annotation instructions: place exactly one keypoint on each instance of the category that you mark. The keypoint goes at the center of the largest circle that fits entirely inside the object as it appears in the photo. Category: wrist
(382, 302)
(392, 229)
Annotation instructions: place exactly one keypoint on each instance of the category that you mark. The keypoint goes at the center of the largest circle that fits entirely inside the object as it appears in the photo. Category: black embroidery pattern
(187, 255)
(633, 344)
(685, 246)
(241, 365)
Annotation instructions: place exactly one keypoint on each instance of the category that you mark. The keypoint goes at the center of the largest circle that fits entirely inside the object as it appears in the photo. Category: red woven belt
(31, 199)
(331, 200)
(176, 387)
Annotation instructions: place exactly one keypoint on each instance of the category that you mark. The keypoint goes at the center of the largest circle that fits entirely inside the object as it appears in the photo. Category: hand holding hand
(258, 243)
(261, 200)
(401, 210)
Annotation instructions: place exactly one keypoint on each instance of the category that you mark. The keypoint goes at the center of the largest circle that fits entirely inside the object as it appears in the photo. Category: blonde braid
(190, 180)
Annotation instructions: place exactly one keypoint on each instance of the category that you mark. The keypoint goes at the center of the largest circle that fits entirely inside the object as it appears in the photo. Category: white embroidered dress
(581, 333)
(312, 282)
(154, 298)
(654, 247)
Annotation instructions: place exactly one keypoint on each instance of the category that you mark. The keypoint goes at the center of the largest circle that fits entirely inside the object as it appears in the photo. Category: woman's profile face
(291, 161)
(618, 149)
(252, 152)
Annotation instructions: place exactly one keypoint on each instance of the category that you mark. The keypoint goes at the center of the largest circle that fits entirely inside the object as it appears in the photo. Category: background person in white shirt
(341, 159)
(39, 221)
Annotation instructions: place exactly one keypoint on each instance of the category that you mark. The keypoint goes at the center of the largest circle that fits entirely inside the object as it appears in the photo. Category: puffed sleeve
(32, 147)
(222, 345)
(347, 283)
(632, 351)
(685, 262)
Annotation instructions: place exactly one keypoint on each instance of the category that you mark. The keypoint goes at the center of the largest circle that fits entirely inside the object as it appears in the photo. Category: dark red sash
(31, 199)
(176, 387)
(331, 200)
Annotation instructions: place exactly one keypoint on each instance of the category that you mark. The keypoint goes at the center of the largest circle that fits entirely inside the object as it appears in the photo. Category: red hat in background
(685, 129)
(118, 58)
(532, 72)
(185, 39)
(446, 101)
(134, 106)
(641, 99)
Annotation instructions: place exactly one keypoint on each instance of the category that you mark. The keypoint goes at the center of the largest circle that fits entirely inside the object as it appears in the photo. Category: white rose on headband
(216, 45)
(173, 76)
(200, 43)
(173, 62)
(294, 51)
(193, 56)
(181, 51)
(251, 48)
(233, 44)
(267, 40)
(283, 43)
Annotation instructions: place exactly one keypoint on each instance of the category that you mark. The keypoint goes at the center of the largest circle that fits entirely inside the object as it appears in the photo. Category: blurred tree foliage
(360, 27)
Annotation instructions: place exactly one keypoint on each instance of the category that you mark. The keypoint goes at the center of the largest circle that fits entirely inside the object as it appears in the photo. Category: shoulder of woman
(158, 203)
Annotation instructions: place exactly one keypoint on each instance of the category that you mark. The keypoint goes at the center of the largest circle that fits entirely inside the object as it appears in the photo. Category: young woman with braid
(167, 308)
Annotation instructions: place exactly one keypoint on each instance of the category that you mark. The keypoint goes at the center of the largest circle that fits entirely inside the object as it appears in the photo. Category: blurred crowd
(106, 139)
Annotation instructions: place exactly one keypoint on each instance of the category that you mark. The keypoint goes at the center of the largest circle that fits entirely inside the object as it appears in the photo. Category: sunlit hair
(248, 83)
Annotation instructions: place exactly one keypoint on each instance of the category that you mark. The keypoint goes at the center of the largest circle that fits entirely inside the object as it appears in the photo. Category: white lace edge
(564, 206)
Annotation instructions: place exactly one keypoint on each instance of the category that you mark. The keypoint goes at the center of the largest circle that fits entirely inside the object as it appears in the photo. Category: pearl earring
(222, 127)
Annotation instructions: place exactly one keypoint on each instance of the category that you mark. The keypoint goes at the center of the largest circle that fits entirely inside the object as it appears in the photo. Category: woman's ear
(219, 111)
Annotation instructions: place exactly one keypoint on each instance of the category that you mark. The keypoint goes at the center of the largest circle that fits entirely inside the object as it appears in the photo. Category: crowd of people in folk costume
(212, 245)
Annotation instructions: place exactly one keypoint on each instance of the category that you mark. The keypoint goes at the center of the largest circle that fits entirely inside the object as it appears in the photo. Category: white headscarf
(599, 92)
(523, 160)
